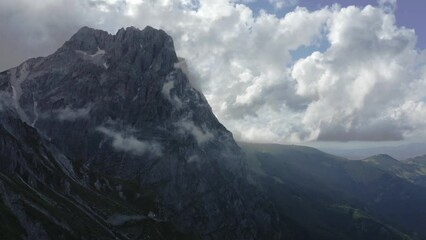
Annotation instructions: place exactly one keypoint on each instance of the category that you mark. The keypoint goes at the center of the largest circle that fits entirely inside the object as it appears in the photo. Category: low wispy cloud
(190, 73)
(193, 159)
(128, 143)
(166, 91)
(70, 114)
(388, 5)
(201, 134)
(280, 4)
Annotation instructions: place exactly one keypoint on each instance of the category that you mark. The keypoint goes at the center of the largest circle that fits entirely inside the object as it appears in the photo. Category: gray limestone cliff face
(43, 195)
(121, 105)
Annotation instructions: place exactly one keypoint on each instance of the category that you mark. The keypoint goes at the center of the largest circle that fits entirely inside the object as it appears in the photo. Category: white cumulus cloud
(363, 80)
(364, 75)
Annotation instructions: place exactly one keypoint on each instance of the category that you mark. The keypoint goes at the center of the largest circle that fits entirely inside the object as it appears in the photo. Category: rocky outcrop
(121, 106)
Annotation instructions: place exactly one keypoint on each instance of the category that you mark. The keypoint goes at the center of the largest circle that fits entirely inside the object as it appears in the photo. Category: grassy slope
(320, 195)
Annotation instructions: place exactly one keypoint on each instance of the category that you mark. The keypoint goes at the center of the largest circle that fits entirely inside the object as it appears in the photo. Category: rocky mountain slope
(107, 139)
(45, 196)
(119, 108)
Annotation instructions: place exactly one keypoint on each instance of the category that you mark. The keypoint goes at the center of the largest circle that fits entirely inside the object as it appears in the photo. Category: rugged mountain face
(107, 139)
(120, 107)
(43, 196)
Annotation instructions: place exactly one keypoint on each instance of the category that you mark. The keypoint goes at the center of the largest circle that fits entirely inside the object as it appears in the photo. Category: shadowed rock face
(43, 196)
(118, 104)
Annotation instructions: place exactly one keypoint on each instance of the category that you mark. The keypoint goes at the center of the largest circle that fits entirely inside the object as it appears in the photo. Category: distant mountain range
(321, 196)
(107, 139)
(399, 152)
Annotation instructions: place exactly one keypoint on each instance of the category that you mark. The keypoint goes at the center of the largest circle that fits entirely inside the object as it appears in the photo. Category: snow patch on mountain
(17, 77)
(96, 58)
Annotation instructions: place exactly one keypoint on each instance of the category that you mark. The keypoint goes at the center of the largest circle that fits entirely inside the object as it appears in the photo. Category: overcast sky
(284, 71)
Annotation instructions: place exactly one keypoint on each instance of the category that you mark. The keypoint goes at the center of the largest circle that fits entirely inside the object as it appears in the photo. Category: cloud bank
(334, 74)
(130, 144)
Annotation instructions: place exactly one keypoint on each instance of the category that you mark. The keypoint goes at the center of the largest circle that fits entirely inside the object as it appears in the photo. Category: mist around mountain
(107, 139)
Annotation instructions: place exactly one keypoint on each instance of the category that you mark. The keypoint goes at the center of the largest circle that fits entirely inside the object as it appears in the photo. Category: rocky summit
(107, 139)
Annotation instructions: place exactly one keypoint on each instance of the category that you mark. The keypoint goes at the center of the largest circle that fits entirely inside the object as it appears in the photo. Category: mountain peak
(86, 29)
(118, 104)
(90, 40)
(383, 157)
(86, 39)
(133, 29)
(132, 50)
